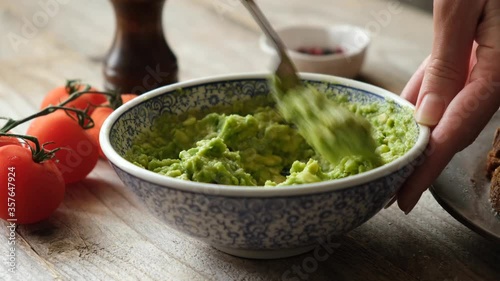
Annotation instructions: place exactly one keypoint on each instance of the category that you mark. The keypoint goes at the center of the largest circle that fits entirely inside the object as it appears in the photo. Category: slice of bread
(493, 171)
(495, 190)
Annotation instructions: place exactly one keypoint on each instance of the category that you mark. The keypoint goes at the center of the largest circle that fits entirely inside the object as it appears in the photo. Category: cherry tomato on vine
(79, 153)
(60, 94)
(128, 97)
(29, 191)
(99, 116)
(5, 140)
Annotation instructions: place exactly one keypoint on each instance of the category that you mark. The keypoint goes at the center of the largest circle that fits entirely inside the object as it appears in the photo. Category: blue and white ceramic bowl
(252, 222)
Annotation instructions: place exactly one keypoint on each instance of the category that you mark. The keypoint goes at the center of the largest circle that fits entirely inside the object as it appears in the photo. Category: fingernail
(393, 199)
(430, 110)
(408, 208)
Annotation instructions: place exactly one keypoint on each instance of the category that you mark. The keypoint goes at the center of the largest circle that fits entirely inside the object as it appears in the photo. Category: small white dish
(352, 40)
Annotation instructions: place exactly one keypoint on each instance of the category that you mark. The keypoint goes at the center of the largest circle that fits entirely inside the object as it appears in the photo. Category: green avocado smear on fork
(250, 143)
(332, 130)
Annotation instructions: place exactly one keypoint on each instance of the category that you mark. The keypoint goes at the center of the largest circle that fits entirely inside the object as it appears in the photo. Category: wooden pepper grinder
(140, 58)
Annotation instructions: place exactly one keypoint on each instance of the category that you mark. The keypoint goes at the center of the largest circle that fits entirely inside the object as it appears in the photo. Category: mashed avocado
(258, 147)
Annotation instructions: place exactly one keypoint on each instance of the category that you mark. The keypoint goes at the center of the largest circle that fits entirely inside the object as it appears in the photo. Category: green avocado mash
(251, 144)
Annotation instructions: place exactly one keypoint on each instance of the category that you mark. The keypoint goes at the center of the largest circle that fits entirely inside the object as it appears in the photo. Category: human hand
(456, 90)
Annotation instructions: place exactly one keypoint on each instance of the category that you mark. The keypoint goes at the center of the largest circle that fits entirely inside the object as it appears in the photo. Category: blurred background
(422, 4)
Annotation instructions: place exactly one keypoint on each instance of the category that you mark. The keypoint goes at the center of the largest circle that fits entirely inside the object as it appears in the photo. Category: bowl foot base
(265, 254)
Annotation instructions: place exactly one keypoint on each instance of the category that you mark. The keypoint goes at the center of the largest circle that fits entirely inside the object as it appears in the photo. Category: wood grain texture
(101, 233)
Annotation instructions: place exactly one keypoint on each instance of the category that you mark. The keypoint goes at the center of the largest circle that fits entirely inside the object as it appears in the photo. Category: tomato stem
(73, 86)
(39, 154)
(82, 117)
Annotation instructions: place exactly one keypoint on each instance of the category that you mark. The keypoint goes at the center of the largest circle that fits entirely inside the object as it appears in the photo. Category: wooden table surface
(98, 234)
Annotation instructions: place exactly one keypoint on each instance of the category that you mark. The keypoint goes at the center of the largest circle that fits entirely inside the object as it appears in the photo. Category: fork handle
(264, 25)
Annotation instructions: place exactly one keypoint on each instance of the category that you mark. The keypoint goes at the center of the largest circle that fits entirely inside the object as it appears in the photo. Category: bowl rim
(260, 191)
(266, 46)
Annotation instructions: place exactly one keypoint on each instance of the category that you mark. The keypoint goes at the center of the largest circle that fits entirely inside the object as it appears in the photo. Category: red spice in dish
(320, 51)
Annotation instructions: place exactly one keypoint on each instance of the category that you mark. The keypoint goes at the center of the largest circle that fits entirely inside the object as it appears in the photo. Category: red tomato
(11, 140)
(99, 116)
(60, 94)
(127, 97)
(29, 191)
(5, 140)
(79, 153)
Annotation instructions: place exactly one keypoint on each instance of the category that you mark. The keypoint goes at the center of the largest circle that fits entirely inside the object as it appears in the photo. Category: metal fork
(286, 70)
